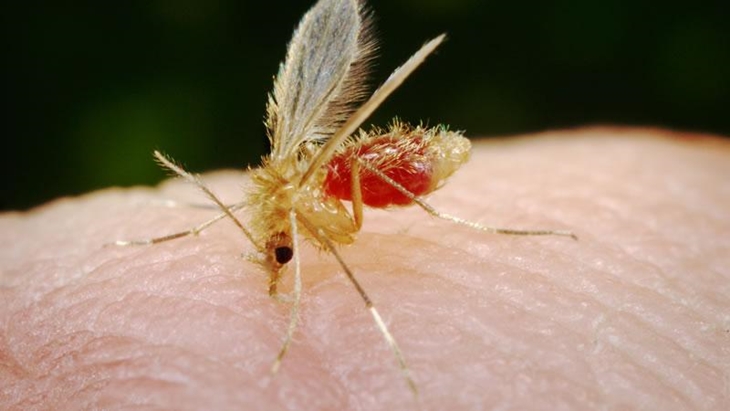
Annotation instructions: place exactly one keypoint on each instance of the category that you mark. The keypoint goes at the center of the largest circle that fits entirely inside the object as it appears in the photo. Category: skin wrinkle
(123, 364)
(130, 300)
(633, 316)
(516, 307)
(642, 319)
(673, 298)
(502, 336)
(508, 346)
(629, 317)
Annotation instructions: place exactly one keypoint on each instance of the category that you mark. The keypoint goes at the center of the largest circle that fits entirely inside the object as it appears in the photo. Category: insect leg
(195, 179)
(294, 313)
(322, 238)
(193, 231)
(356, 190)
(180, 204)
(432, 211)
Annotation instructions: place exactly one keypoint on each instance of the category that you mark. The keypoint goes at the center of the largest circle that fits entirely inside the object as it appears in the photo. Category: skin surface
(633, 316)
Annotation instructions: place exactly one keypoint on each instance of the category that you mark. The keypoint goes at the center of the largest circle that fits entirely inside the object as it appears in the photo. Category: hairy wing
(353, 122)
(322, 77)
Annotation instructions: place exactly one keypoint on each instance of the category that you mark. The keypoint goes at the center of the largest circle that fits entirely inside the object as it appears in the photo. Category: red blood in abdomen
(403, 160)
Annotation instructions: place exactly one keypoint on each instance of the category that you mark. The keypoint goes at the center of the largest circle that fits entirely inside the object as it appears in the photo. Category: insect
(317, 159)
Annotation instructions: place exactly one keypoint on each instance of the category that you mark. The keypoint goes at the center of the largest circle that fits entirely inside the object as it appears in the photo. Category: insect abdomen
(418, 159)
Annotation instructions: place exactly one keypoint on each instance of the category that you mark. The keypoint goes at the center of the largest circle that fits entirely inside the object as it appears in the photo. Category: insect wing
(367, 108)
(322, 77)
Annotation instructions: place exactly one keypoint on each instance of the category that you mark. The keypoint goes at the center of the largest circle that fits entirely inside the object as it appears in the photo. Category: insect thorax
(275, 193)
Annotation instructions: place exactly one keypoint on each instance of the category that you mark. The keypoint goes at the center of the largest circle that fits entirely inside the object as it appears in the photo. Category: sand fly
(319, 159)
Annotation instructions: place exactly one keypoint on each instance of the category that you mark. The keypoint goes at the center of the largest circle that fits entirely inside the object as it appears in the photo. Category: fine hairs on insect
(319, 159)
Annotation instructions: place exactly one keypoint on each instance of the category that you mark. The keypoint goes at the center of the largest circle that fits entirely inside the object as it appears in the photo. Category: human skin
(635, 315)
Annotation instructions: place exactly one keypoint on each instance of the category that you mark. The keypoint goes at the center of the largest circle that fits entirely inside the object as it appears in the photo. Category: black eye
(283, 254)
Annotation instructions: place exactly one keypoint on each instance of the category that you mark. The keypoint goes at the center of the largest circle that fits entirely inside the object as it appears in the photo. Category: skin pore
(634, 315)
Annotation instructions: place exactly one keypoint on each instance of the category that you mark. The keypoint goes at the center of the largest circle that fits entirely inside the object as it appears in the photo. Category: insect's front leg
(192, 231)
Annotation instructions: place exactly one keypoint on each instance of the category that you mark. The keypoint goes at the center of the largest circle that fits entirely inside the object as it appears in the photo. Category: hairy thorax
(276, 192)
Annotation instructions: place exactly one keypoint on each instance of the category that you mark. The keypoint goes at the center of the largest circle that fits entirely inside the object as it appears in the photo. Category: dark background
(92, 88)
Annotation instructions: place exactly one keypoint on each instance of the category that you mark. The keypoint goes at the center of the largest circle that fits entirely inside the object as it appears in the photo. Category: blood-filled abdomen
(418, 159)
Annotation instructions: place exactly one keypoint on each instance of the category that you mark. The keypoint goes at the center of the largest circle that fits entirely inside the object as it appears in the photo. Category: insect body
(315, 163)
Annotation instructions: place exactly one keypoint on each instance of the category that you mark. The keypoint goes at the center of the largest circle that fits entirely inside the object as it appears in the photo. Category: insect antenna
(432, 211)
(319, 234)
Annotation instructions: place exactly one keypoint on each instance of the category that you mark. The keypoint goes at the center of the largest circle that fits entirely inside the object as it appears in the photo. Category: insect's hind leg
(432, 211)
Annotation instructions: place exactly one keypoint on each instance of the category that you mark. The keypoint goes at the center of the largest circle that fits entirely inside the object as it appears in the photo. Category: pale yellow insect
(312, 115)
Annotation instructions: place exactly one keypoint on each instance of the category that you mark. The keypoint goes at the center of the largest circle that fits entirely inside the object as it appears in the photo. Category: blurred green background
(92, 88)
